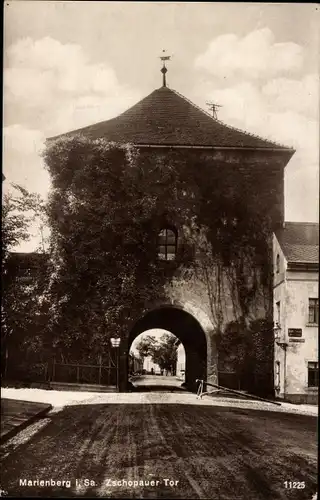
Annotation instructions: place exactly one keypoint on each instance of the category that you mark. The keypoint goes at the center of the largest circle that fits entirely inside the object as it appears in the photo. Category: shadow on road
(252, 454)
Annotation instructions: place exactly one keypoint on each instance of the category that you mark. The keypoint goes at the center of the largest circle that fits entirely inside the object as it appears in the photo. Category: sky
(71, 64)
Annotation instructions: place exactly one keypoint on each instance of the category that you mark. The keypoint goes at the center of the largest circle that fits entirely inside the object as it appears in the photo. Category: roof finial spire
(164, 70)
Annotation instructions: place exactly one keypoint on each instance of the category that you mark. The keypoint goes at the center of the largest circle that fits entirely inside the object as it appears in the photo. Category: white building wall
(181, 361)
(299, 289)
(279, 296)
(293, 289)
(148, 365)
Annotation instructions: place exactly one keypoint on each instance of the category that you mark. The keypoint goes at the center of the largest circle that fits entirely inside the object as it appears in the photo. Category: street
(157, 383)
(161, 450)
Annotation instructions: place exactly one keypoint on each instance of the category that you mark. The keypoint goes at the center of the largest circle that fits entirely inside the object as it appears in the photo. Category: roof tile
(300, 241)
(165, 117)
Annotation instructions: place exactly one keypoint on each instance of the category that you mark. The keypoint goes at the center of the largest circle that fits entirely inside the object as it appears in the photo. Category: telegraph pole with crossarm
(213, 108)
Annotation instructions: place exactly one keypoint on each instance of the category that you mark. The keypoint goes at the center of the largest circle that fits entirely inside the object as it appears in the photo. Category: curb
(16, 429)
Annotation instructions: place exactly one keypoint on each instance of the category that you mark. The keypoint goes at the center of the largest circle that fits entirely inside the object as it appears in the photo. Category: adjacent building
(150, 367)
(296, 311)
(181, 361)
(135, 364)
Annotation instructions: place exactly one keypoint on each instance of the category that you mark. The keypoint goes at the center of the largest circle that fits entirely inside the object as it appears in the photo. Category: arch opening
(187, 329)
(157, 362)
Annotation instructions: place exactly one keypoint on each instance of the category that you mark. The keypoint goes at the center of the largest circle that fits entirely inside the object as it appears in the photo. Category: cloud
(23, 165)
(279, 106)
(63, 67)
(256, 55)
(298, 96)
(55, 86)
(51, 88)
(22, 162)
(82, 111)
(278, 117)
(301, 190)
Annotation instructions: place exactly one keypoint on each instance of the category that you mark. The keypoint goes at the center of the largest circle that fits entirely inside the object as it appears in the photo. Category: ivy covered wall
(107, 206)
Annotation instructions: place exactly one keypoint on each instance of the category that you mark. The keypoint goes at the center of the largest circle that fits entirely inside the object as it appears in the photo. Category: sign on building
(295, 332)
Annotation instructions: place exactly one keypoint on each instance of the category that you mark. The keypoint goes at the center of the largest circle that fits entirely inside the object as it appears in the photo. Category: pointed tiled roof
(165, 117)
(299, 241)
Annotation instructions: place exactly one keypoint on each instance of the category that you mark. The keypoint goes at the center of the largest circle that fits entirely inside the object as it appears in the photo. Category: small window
(278, 264)
(167, 244)
(277, 380)
(278, 313)
(229, 221)
(314, 311)
(313, 374)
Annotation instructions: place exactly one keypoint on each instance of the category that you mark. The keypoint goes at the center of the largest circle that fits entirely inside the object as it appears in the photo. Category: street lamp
(115, 342)
(277, 336)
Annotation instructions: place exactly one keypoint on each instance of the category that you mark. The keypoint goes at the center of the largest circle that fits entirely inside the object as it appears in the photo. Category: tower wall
(264, 172)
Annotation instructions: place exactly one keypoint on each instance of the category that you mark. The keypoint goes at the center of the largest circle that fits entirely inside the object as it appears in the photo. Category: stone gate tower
(158, 125)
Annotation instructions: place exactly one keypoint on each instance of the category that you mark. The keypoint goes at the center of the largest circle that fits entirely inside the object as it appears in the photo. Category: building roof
(299, 241)
(165, 117)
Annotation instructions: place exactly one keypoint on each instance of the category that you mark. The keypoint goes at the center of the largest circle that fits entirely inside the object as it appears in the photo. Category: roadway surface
(166, 451)
(161, 383)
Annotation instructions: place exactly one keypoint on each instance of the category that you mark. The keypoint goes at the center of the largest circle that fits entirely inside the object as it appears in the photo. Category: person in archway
(152, 371)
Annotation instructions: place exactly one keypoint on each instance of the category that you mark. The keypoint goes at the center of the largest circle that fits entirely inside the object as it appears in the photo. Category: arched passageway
(187, 329)
(162, 368)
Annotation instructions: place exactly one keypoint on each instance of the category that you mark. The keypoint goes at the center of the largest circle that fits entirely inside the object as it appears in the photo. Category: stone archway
(201, 362)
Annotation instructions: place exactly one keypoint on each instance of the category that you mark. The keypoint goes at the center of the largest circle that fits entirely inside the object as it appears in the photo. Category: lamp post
(283, 345)
(277, 336)
(115, 342)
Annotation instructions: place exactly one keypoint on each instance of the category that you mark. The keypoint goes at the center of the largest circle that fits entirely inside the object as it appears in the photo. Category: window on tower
(313, 374)
(314, 311)
(278, 313)
(278, 264)
(277, 380)
(167, 244)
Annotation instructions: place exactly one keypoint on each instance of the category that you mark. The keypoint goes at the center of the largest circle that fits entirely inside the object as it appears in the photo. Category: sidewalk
(17, 415)
(59, 399)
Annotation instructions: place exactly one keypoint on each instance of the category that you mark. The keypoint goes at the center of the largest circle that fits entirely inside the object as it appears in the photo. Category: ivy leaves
(108, 203)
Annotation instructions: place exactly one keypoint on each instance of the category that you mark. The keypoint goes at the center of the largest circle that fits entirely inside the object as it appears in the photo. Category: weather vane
(213, 108)
(164, 70)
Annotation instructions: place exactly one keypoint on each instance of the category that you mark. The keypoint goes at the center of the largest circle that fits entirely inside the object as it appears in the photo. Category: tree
(104, 210)
(163, 352)
(19, 209)
(146, 346)
(248, 351)
(21, 307)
